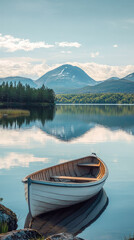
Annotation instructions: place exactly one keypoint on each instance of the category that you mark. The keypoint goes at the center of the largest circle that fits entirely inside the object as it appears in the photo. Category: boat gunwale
(68, 184)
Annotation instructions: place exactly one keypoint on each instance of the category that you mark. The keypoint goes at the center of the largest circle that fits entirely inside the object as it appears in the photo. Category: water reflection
(14, 159)
(73, 219)
(74, 121)
(71, 122)
(40, 114)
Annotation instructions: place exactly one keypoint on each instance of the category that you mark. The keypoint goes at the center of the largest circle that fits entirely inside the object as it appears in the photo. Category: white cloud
(16, 159)
(35, 68)
(23, 66)
(102, 71)
(130, 20)
(68, 52)
(12, 44)
(94, 55)
(69, 44)
(115, 45)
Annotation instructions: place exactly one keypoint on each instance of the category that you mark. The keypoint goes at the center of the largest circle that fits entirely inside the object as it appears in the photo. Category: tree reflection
(41, 114)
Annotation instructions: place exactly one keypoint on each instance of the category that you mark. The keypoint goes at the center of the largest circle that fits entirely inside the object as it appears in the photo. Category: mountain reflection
(67, 122)
(73, 219)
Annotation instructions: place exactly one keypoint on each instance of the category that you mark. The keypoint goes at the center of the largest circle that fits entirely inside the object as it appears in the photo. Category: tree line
(96, 98)
(12, 93)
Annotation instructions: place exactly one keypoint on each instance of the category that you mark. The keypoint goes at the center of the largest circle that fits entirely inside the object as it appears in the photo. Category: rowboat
(64, 184)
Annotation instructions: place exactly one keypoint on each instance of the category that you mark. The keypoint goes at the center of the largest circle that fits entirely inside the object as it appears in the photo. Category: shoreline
(26, 104)
(97, 104)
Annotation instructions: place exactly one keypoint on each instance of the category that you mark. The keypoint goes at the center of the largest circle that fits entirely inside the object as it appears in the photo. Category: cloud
(130, 20)
(35, 68)
(12, 44)
(115, 45)
(16, 159)
(102, 71)
(68, 52)
(69, 44)
(94, 55)
(23, 66)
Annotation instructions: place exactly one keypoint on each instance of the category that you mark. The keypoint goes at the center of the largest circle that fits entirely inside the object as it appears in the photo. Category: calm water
(51, 136)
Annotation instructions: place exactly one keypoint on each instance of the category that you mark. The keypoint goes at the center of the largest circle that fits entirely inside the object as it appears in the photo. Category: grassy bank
(13, 113)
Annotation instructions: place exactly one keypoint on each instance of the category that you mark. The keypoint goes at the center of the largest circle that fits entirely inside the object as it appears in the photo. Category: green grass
(3, 227)
(13, 113)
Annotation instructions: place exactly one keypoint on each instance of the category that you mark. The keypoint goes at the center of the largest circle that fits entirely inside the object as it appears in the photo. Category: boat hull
(45, 197)
(65, 184)
(73, 219)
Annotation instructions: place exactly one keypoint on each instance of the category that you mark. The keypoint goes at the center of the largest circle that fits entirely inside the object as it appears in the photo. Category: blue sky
(96, 35)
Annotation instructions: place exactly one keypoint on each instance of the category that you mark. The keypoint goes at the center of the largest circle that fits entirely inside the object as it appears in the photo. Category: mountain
(65, 78)
(18, 79)
(112, 78)
(109, 86)
(129, 77)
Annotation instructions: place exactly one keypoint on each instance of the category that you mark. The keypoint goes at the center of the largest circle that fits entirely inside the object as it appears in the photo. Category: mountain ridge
(17, 79)
(109, 86)
(72, 79)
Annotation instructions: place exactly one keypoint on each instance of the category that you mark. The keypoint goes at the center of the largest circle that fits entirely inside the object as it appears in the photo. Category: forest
(10, 93)
(119, 98)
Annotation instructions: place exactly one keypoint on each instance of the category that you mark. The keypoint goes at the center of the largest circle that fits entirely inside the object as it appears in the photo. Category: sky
(38, 35)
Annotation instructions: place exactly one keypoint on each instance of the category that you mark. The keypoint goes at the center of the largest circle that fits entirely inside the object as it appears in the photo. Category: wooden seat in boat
(88, 164)
(74, 178)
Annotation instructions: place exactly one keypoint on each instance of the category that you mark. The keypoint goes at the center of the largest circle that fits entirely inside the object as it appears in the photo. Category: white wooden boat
(65, 184)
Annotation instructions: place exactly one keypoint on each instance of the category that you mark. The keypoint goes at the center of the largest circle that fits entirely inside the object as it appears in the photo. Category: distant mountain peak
(129, 77)
(65, 77)
(112, 78)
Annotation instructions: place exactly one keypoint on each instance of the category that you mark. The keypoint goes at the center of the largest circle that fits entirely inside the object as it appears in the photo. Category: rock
(7, 216)
(22, 234)
(31, 234)
(63, 236)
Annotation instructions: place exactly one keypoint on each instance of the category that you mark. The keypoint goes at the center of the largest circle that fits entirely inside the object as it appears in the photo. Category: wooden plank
(88, 164)
(74, 178)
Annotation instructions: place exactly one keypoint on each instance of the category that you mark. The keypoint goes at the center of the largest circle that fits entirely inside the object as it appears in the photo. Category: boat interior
(87, 169)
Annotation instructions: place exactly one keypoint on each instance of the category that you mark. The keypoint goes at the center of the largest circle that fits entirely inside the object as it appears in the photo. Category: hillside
(129, 77)
(18, 79)
(109, 86)
(101, 98)
(65, 77)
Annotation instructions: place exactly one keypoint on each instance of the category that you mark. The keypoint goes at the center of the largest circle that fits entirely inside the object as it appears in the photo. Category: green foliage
(1, 199)
(25, 94)
(105, 98)
(3, 227)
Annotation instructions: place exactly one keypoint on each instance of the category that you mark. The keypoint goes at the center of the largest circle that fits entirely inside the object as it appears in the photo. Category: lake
(53, 135)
